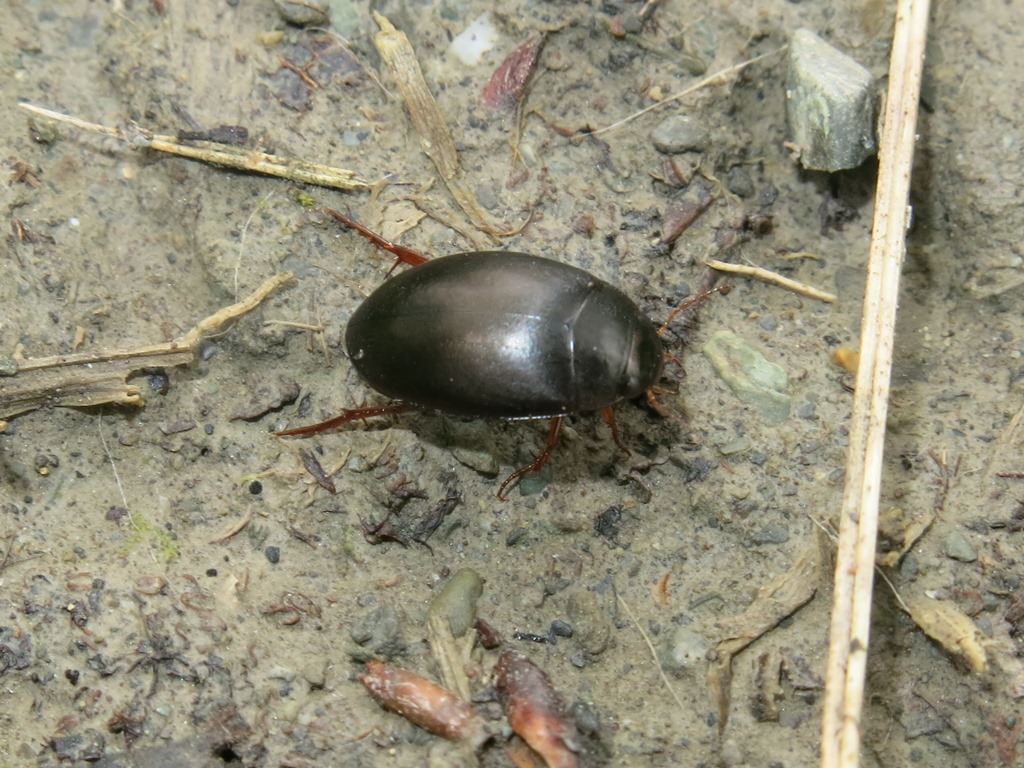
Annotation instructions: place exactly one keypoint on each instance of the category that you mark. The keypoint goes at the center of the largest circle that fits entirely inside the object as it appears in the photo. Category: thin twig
(245, 230)
(654, 653)
(772, 277)
(7, 562)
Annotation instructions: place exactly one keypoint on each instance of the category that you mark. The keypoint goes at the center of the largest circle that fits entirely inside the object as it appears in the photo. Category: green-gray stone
(750, 375)
(457, 600)
(830, 105)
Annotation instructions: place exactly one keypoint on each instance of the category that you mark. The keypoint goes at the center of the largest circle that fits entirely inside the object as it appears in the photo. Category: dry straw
(855, 560)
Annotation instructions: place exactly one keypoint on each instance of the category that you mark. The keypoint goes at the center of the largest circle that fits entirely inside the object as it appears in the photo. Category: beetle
(497, 334)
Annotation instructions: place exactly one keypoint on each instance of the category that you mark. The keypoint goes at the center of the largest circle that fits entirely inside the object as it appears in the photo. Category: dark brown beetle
(497, 334)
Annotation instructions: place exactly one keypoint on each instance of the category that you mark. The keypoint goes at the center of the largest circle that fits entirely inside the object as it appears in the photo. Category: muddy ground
(126, 627)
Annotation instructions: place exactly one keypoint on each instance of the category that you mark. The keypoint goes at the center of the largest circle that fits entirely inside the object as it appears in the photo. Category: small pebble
(680, 133)
(807, 410)
(738, 181)
(514, 536)
(561, 628)
(773, 533)
(380, 632)
(591, 627)
(176, 427)
(273, 554)
(303, 14)
(830, 105)
(733, 447)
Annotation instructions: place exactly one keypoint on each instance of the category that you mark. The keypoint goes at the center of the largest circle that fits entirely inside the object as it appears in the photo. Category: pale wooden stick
(772, 277)
(858, 527)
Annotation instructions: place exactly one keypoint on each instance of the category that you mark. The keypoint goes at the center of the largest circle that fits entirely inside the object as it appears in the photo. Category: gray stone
(958, 548)
(680, 133)
(592, 628)
(830, 105)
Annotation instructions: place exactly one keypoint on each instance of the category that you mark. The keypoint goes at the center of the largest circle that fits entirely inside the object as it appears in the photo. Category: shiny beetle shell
(502, 334)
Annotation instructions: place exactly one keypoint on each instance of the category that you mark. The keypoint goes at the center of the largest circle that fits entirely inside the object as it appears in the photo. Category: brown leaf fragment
(535, 711)
(685, 208)
(424, 703)
(309, 461)
(507, 85)
(898, 531)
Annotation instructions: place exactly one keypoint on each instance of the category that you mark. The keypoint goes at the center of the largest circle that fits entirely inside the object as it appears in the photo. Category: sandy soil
(127, 628)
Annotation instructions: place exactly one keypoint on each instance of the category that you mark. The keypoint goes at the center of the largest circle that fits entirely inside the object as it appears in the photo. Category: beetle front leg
(538, 463)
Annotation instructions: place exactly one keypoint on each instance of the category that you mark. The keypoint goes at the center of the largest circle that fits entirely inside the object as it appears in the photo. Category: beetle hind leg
(405, 255)
(347, 415)
(538, 463)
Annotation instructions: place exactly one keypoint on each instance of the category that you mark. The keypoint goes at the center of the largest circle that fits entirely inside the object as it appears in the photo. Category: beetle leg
(608, 414)
(655, 404)
(347, 415)
(405, 255)
(538, 463)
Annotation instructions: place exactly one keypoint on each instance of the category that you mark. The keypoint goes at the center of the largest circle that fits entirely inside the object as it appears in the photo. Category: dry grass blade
(775, 601)
(858, 528)
(435, 138)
